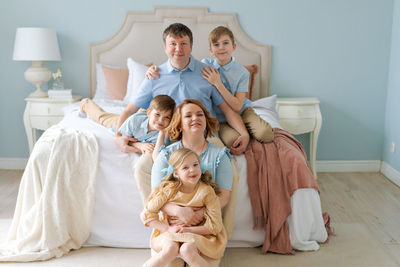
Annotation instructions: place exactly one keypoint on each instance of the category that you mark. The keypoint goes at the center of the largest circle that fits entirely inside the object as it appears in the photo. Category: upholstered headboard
(140, 38)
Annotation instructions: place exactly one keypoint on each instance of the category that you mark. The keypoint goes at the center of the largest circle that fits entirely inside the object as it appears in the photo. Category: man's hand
(123, 141)
(152, 73)
(144, 147)
(240, 145)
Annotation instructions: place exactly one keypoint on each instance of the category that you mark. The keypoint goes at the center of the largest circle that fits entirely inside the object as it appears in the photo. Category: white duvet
(118, 204)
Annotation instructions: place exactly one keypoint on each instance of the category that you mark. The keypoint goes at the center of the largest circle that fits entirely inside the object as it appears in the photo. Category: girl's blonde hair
(173, 131)
(170, 184)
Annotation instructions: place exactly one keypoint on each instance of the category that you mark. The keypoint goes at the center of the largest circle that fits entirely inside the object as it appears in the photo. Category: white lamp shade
(36, 44)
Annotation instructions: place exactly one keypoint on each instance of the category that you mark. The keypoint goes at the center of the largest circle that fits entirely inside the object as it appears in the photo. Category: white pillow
(266, 109)
(101, 83)
(137, 72)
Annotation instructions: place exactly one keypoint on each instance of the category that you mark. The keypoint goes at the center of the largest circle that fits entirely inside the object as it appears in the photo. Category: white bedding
(118, 204)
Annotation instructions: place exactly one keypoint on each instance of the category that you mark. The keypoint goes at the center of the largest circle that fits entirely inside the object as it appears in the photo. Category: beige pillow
(117, 80)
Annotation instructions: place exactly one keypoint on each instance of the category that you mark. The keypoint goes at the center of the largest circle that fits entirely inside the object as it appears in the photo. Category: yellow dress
(212, 245)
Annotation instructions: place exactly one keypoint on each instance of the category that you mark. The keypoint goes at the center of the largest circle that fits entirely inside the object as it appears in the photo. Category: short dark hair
(178, 29)
(162, 103)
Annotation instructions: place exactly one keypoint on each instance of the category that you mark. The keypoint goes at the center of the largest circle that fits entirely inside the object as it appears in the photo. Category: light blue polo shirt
(180, 85)
(137, 126)
(235, 78)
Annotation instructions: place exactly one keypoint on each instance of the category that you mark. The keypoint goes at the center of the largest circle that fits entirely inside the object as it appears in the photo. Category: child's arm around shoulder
(234, 101)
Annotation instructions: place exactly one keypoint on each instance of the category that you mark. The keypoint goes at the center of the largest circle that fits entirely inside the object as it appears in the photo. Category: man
(181, 79)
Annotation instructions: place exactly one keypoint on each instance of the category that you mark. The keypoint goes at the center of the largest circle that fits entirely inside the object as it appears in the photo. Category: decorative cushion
(137, 72)
(116, 80)
(253, 70)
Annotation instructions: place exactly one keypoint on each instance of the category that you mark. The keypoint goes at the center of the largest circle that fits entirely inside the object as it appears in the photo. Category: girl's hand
(152, 73)
(211, 75)
(175, 229)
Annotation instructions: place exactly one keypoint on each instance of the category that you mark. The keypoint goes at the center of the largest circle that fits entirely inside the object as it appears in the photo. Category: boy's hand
(144, 147)
(125, 143)
(211, 75)
(152, 73)
(240, 145)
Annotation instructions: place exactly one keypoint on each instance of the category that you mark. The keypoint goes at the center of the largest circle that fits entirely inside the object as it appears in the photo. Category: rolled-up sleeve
(157, 173)
(223, 173)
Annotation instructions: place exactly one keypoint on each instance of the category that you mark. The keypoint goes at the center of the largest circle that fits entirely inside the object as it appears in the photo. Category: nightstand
(299, 116)
(42, 113)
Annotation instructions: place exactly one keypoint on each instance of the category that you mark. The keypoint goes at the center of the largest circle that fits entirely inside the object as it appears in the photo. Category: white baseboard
(348, 165)
(13, 163)
(391, 173)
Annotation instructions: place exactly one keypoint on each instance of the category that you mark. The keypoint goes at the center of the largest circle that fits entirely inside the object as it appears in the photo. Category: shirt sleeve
(157, 172)
(127, 128)
(243, 84)
(216, 97)
(144, 95)
(223, 173)
(212, 215)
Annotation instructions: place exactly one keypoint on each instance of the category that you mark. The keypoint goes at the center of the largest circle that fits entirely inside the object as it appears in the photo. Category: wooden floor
(367, 198)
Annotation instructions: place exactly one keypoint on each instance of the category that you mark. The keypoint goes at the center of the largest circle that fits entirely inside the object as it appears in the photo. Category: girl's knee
(171, 249)
(188, 251)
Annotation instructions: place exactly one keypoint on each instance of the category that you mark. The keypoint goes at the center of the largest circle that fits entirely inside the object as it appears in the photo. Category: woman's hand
(152, 73)
(187, 216)
(212, 76)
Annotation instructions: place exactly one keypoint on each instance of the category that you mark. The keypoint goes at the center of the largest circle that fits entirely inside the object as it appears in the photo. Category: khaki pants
(258, 128)
(97, 114)
(142, 171)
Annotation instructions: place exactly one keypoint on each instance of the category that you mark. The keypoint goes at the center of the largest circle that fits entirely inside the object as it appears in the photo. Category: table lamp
(36, 45)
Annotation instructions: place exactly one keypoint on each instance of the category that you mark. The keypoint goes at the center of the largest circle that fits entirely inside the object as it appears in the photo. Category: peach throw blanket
(275, 171)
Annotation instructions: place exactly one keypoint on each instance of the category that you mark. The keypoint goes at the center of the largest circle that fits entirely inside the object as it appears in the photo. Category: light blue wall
(392, 119)
(336, 50)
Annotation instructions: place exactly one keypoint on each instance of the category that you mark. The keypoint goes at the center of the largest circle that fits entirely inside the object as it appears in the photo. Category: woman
(191, 124)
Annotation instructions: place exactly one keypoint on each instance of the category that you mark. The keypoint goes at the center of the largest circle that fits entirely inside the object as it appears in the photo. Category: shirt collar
(226, 67)
(190, 66)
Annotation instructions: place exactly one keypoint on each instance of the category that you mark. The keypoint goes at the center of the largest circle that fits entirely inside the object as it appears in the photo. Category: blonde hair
(218, 32)
(173, 131)
(162, 103)
(171, 184)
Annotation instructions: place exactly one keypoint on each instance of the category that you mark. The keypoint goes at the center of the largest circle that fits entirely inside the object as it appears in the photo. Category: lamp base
(37, 74)
(38, 93)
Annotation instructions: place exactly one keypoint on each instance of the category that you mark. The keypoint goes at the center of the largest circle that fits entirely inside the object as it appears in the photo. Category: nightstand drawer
(291, 111)
(298, 126)
(42, 109)
(43, 123)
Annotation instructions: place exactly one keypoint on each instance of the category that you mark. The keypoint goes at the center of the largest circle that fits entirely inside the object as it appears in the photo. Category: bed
(117, 205)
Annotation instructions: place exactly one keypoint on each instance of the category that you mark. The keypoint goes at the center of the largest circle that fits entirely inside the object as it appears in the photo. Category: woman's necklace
(202, 148)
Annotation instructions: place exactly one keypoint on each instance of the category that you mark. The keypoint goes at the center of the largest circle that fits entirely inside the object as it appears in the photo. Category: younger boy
(143, 127)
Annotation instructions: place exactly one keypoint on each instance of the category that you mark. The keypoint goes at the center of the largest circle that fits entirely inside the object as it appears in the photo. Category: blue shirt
(137, 126)
(180, 85)
(235, 78)
(217, 160)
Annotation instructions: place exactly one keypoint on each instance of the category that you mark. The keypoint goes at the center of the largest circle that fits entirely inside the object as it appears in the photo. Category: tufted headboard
(140, 37)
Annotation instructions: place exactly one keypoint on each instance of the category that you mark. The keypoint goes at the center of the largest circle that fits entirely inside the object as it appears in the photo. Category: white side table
(42, 113)
(299, 116)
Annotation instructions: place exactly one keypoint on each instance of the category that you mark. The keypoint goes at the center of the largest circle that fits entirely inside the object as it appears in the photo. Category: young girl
(185, 185)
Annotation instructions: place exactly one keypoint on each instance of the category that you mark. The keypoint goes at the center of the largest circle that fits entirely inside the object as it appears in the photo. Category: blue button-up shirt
(137, 126)
(180, 85)
(235, 78)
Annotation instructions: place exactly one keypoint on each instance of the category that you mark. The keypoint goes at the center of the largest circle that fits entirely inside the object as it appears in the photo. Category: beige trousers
(258, 128)
(97, 114)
